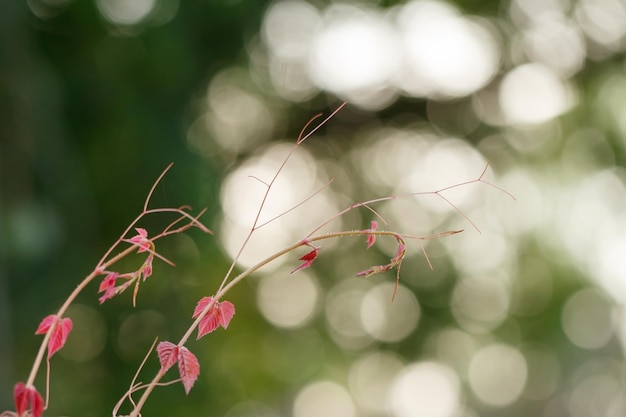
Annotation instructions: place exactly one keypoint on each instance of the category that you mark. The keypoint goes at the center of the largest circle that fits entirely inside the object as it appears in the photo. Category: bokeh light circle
(123, 12)
(89, 334)
(288, 301)
(356, 49)
(446, 55)
(370, 379)
(324, 399)
(532, 93)
(289, 27)
(479, 305)
(387, 321)
(425, 389)
(497, 375)
(343, 314)
(587, 319)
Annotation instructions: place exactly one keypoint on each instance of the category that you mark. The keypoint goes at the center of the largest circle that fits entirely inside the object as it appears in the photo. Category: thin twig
(297, 205)
(145, 205)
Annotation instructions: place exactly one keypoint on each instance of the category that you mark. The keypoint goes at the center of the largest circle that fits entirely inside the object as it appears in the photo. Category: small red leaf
(141, 240)
(45, 324)
(371, 239)
(400, 252)
(209, 323)
(36, 403)
(146, 269)
(220, 314)
(374, 270)
(188, 367)
(108, 294)
(227, 311)
(61, 330)
(308, 259)
(108, 281)
(168, 354)
(27, 398)
(20, 397)
(204, 301)
(59, 336)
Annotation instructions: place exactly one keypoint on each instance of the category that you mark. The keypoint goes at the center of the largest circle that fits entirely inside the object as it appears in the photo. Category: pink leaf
(400, 252)
(168, 354)
(227, 311)
(188, 367)
(27, 398)
(36, 403)
(59, 336)
(220, 314)
(371, 239)
(209, 323)
(108, 281)
(308, 259)
(20, 396)
(146, 268)
(374, 270)
(45, 324)
(202, 304)
(108, 294)
(141, 240)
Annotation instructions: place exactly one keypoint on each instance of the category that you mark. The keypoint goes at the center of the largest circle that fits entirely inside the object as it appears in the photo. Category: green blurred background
(522, 317)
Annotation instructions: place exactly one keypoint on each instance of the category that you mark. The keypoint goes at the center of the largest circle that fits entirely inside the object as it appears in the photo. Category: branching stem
(105, 262)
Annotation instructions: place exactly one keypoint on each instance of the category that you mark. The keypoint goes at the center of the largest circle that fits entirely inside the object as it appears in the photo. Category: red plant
(212, 311)
(308, 258)
(218, 314)
(188, 366)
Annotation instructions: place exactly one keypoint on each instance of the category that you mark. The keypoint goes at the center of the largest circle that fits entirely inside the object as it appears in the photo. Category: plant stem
(42, 349)
(150, 387)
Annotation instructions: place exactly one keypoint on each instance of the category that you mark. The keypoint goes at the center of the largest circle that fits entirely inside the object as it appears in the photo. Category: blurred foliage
(94, 108)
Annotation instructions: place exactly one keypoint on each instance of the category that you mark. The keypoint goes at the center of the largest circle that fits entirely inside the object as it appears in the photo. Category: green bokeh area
(521, 314)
